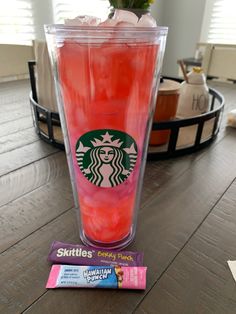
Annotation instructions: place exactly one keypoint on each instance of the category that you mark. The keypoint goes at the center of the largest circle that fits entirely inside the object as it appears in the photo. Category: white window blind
(219, 25)
(64, 9)
(16, 22)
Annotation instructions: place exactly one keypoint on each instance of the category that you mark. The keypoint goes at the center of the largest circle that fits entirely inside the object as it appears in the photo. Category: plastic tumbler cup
(106, 82)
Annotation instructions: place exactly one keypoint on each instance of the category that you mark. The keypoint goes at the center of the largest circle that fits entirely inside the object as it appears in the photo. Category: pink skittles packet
(65, 253)
(113, 277)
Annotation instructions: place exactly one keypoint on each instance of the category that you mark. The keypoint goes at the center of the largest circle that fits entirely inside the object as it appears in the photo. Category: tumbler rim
(103, 31)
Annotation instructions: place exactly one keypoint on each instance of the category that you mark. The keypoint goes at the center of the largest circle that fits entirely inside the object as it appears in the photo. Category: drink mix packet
(113, 277)
(65, 253)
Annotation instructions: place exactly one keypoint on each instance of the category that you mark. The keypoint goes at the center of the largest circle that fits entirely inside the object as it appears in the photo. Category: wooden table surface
(186, 224)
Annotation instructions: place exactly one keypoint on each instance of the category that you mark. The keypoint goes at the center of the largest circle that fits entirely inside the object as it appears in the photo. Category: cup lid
(168, 87)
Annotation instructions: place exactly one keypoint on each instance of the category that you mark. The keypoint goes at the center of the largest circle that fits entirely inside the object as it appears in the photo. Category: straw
(181, 63)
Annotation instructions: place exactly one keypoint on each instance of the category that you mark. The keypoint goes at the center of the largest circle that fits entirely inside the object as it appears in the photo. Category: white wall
(157, 11)
(184, 19)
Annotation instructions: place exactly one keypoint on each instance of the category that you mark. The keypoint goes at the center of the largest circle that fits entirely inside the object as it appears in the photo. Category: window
(16, 22)
(71, 8)
(219, 24)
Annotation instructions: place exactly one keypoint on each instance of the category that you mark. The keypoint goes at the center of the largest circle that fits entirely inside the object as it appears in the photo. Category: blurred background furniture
(217, 60)
(191, 62)
(43, 97)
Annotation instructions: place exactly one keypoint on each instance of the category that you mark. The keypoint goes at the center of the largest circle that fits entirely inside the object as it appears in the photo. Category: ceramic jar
(194, 95)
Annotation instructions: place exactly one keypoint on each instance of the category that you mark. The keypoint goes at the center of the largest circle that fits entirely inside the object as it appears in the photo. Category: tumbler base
(118, 245)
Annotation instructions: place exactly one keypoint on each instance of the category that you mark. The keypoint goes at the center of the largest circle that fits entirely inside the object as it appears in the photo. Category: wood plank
(159, 173)
(28, 213)
(166, 222)
(17, 140)
(199, 280)
(16, 126)
(75, 293)
(37, 173)
(16, 115)
(25, 264)
(17, 105)
(14, 90)
(25, 155)
(164, 227)
(14, 105)
(11, 110)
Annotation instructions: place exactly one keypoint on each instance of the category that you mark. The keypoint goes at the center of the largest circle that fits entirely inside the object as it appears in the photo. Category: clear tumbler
(106, 82)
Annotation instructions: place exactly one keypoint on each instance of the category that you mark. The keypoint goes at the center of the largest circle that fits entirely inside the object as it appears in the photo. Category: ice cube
(109, 23)
(147, 21)
(83, 20)
(125, 16)
(121, 18)
(124, 24)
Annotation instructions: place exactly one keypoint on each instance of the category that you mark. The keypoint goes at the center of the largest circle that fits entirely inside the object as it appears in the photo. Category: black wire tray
(186, 135)
(190, 134)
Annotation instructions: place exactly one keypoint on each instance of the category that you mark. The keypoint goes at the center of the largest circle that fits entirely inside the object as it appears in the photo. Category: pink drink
(108, 91)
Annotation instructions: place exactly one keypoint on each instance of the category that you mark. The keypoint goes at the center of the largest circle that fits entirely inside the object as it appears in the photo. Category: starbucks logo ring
(106, 157)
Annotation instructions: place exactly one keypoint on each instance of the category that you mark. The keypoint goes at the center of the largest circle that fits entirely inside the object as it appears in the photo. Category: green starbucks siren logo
(106, 157)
